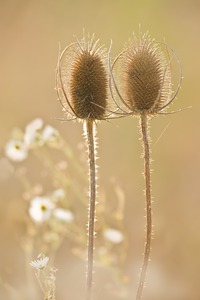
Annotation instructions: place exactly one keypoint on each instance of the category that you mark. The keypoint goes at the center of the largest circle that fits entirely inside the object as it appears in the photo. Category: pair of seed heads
(90, 87)
(87, 88)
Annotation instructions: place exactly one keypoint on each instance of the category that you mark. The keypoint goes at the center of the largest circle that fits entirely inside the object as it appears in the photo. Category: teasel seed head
(82, 84)
(88, 86)
(145, 82)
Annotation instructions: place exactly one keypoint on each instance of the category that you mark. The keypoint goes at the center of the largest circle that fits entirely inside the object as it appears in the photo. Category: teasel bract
(82, 89)
(145, 90)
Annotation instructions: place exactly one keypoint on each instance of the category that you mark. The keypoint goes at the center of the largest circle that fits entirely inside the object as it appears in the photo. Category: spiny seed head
(84, 81)
(88, 86)
(146, 76)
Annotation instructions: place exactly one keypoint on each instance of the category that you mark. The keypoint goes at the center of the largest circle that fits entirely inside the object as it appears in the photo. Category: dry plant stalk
(147, 91)
(147, 175)
(90, 140)
(87, 82)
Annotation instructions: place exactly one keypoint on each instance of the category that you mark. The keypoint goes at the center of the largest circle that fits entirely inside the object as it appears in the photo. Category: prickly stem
(90, 138)
(147, 175)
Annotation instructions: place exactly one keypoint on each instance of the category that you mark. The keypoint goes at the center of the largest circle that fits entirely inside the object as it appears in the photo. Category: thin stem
(147, 175)
(90, 138)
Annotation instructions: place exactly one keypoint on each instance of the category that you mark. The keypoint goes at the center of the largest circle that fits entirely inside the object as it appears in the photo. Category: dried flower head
(146, 77)
(82, 80)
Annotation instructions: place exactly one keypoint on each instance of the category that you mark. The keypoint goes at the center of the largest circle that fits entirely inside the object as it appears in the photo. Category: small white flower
(63, 215)
(34, 125)
(40, 263)
(113, 235)
(49, 133)
(16, 150)
(41, 209)
(32, 135)
(59, 194)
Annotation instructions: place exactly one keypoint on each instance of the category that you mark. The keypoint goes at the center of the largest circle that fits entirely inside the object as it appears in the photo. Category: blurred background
(30, 33)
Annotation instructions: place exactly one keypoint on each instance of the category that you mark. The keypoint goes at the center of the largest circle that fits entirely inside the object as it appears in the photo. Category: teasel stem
(147, 176)
(90, 138)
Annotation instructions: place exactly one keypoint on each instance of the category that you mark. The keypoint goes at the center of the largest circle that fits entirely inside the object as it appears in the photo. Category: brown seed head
(82, 80)
(88, 86)
(146, 76)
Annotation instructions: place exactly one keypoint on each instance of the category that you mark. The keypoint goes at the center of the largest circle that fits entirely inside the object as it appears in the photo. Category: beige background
(30, 32)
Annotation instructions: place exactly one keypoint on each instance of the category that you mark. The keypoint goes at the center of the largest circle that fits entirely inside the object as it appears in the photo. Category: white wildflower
(59, 194)
(32, 134)
(63, 215)
(113, 235)
(41, 209)
(40, 263)
(34, 125)
(16, 150)
(49, 133)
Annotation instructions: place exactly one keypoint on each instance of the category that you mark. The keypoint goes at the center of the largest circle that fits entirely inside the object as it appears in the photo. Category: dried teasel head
(146, 84)
(82, 80)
